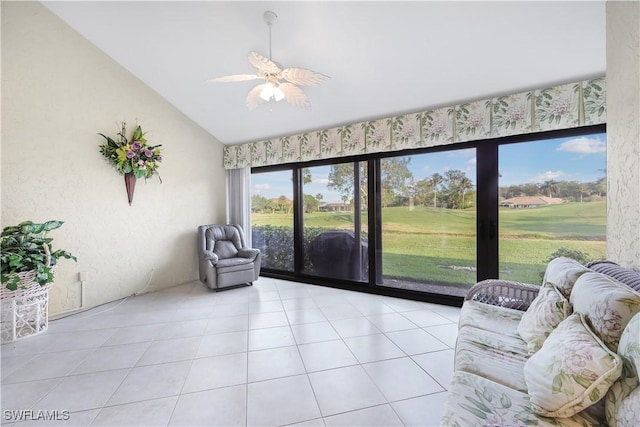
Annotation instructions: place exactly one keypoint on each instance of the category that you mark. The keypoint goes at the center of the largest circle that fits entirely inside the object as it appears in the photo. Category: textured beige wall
(623, 132)
(58, 92)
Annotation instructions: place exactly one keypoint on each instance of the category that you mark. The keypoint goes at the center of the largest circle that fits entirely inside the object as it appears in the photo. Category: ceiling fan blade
(235, 78)
(295, 96)
(301, 76)
(253, 98)
(263, 64)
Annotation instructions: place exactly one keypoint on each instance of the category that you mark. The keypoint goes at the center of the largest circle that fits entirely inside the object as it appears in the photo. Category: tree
(306, 175)
(284, 204)
(454, 182)
(396, 178)
(260, 203)
(465, 186)
(341, 179)
(422, 192)
(550, 187)
(319, 198)
(310, 203)
(435, 181)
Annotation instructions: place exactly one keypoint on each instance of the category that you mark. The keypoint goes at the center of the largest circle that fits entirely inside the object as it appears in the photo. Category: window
(272, 218)
(552, 202)
(432, 222)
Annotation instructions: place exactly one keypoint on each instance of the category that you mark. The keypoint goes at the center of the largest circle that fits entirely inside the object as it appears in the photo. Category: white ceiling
(384, 58)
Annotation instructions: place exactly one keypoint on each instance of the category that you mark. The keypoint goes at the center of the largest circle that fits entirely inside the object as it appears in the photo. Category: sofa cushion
(623, 399)
(546, 312)
(489, 317)
(492, 355)
(607, 304)
(563, 273)
(573, 370)
(476, 401)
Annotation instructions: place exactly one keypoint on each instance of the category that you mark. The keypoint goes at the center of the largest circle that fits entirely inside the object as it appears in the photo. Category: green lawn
(419, 244)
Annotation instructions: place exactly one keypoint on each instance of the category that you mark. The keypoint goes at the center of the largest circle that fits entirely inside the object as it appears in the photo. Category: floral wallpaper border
(560, 107)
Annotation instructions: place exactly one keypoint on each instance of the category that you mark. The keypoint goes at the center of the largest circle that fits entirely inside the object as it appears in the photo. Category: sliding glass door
(335, 221)
(428, 221)
(272, 218)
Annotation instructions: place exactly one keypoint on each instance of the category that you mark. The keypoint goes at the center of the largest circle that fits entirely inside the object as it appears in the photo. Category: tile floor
(276, 353)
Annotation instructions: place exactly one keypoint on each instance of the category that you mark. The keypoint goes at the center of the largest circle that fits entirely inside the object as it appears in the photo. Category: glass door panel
(335, 221)
(428, 213)
(552, 202)
(272, 218)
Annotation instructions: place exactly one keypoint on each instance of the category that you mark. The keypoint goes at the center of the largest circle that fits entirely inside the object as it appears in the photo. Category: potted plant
(27, 268)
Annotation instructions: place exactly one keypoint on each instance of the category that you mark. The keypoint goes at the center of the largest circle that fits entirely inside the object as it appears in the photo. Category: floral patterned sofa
(566, 353)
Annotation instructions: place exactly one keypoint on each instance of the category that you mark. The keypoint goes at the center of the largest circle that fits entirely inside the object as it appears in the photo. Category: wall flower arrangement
(132, 157)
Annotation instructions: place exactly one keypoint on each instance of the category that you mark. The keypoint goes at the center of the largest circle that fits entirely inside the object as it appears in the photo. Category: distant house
(335, 207)
(529, 202)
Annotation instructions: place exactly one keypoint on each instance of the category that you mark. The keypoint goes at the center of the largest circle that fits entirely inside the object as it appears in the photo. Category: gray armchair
(224, 259)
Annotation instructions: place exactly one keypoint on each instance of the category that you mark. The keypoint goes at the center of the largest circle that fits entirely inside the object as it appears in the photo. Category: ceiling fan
(279, 83)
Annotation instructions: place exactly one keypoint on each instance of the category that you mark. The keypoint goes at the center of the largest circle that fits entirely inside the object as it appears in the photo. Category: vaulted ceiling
(383, 58)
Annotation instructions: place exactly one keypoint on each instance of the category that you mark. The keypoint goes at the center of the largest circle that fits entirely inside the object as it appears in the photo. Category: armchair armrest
(210, 256)
(248, 253)
(504, 293)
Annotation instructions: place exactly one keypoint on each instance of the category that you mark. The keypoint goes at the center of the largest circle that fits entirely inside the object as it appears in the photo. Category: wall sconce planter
(130, 183)
(132, 157)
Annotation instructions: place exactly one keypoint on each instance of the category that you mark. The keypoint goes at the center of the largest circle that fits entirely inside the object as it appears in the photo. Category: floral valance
(561, 107)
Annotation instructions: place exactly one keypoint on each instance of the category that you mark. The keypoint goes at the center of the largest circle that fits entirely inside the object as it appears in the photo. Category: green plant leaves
(25, 247)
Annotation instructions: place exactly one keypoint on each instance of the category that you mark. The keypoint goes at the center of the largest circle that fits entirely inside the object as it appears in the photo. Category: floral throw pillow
(572, 371)
(563, 273)
(546, 312)
(623, 399)
(607, 304)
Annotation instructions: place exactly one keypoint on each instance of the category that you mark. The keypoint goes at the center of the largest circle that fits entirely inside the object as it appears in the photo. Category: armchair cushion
(210, 256)
(250, 253)
(225, 249)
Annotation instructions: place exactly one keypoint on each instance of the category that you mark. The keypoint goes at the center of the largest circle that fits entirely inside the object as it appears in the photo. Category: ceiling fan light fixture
(267, 91)
(278, 94)
(271, 91)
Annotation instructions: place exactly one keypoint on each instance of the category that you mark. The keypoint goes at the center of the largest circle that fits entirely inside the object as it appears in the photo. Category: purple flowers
(132, 155)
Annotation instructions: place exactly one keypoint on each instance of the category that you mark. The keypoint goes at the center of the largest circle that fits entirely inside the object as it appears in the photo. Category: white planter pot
(25, 311)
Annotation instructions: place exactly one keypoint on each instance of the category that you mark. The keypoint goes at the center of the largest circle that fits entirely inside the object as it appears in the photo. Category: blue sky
(581, 159)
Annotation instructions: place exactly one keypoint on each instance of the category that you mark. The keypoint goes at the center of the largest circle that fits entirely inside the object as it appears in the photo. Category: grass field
(432, 244)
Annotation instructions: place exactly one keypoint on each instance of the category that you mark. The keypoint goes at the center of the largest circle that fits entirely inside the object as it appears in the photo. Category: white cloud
(548, 176)
(323, 181)
(583, 145)
(260, 188)
(471, 161)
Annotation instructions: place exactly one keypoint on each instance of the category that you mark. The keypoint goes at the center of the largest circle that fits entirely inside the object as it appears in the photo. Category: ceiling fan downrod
(270, 18)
